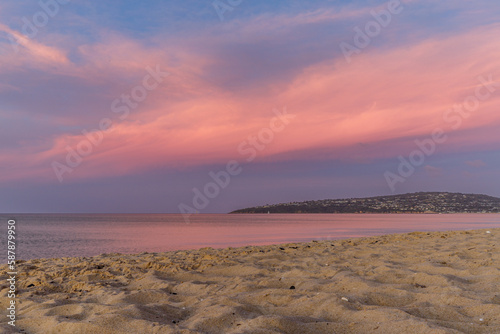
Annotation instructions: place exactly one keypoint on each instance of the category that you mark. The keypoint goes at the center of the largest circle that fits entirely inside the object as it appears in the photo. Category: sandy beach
(436, 282)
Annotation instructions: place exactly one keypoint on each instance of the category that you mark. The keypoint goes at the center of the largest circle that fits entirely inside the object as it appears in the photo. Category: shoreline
(419, 282)
(362, 213)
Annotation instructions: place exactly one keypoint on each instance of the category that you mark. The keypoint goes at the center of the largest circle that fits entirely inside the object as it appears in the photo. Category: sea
(84, 235)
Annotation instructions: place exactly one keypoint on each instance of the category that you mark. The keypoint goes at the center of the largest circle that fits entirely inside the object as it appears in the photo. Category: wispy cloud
(433, 171)
(42, 53)
(475, 163)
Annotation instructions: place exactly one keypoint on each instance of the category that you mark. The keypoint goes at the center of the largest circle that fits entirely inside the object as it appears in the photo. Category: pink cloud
(433, 171)
(475, 163)
(35, 52)
(391, 96)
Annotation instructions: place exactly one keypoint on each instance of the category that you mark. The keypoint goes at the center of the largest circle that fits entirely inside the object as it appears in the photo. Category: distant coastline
(411, 203)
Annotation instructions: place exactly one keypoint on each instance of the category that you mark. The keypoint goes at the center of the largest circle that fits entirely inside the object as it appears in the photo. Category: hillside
(422, 202)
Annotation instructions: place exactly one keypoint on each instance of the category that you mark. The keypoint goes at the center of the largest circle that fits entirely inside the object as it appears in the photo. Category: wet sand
(436, 282)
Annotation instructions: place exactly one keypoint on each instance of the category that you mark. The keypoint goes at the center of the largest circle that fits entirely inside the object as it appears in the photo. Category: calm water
(69, 235)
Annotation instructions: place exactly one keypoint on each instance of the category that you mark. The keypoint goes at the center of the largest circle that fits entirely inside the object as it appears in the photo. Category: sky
(211, 106)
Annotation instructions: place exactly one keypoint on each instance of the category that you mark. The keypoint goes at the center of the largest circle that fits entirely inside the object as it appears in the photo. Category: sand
(437, 282)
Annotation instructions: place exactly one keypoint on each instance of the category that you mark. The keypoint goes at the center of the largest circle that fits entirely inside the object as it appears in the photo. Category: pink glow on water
(44, 236)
